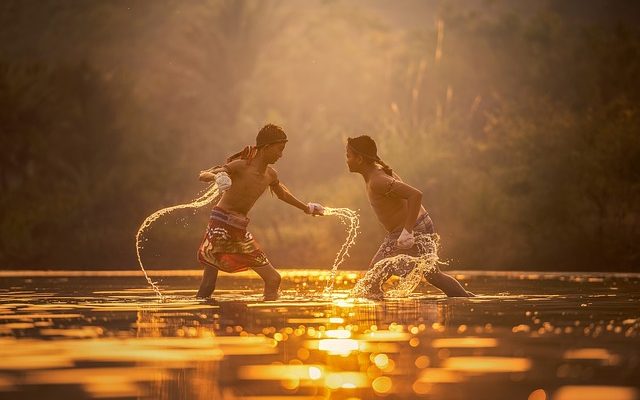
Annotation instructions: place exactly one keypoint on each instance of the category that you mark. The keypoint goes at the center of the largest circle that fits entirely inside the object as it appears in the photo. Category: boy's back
(390, 209)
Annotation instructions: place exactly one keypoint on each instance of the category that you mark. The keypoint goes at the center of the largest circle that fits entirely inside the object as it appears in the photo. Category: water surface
(560, 336)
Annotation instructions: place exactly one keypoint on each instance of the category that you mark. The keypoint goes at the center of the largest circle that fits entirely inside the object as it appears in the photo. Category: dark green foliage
(522, 128)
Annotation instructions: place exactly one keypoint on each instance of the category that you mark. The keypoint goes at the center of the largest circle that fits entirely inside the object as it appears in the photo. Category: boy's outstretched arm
(281, 192)
(285, 195)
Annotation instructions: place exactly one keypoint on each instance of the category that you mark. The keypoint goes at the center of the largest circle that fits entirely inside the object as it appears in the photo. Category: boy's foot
(271, 296)
(204, 292)
(207, 299)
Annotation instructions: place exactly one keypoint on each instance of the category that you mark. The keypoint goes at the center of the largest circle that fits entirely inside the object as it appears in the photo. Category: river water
(535, 336)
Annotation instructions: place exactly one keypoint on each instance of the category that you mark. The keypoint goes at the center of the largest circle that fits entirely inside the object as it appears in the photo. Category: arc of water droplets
(210, 194)
(349, 218)
(428, 245)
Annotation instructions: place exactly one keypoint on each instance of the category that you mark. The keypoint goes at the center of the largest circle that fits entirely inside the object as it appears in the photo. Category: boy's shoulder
(380, 182)
(272, 173)
(236, 165)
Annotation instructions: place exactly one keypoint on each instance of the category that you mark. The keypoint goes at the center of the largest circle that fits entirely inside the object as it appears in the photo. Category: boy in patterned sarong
(398, 207)
(227, 245)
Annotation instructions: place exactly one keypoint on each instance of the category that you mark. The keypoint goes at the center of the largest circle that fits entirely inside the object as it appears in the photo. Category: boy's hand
(206, 176)
(315, 209)
(406, 240)
(223, 181)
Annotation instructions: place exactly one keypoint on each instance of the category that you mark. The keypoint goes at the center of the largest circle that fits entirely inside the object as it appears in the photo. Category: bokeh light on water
(535, 336)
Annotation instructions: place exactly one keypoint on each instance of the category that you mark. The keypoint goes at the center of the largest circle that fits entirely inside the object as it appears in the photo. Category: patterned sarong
(227, 245)
(371, 283)
(389, 247)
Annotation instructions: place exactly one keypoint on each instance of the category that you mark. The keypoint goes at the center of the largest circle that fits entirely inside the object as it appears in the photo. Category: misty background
(519, 121)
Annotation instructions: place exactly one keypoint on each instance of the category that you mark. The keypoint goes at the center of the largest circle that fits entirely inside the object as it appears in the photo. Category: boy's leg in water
(375, 292)
(448, 284)
(378, 278)
(271, 279)
(208, 284)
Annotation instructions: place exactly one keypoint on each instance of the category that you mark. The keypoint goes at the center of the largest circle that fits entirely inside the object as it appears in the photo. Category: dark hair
(366, 147)
(269, 134)
(248, 153)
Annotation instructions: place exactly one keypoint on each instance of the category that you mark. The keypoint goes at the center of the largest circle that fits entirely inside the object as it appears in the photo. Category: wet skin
(249, 181)
(391, 207)
(394, 203)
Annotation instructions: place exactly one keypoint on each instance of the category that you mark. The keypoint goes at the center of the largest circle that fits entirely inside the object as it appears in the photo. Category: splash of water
(209, 195)
(351, 220)
(410, 268)
(346, 215)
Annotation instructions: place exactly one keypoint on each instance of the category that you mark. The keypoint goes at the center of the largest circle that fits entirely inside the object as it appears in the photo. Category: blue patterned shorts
(389, 247)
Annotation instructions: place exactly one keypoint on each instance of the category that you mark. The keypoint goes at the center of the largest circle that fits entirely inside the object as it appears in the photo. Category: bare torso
(249, 183)
(390, 210)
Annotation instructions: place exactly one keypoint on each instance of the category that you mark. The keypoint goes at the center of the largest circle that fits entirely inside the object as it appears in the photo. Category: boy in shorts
(398, 207)
(227, 245)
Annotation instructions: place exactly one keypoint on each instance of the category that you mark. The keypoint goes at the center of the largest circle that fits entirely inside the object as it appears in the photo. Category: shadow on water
(528, 335)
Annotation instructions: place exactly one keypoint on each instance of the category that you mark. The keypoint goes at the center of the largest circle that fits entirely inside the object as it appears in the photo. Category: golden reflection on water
(346, 380)
(440, 375)
(469, 342)
(487, 364)
(538, 394)
(121, 342)
(342, 347)
(589, 392)
(338, 333)
(600, 354)
(100, 382)
(278, 372)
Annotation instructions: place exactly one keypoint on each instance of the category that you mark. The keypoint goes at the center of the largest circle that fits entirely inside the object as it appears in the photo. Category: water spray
(347, 217)
(425, 262)
(209, 196)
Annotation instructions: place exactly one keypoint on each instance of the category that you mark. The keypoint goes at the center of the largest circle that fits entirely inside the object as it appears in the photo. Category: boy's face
(353, 160)
(273, 152)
